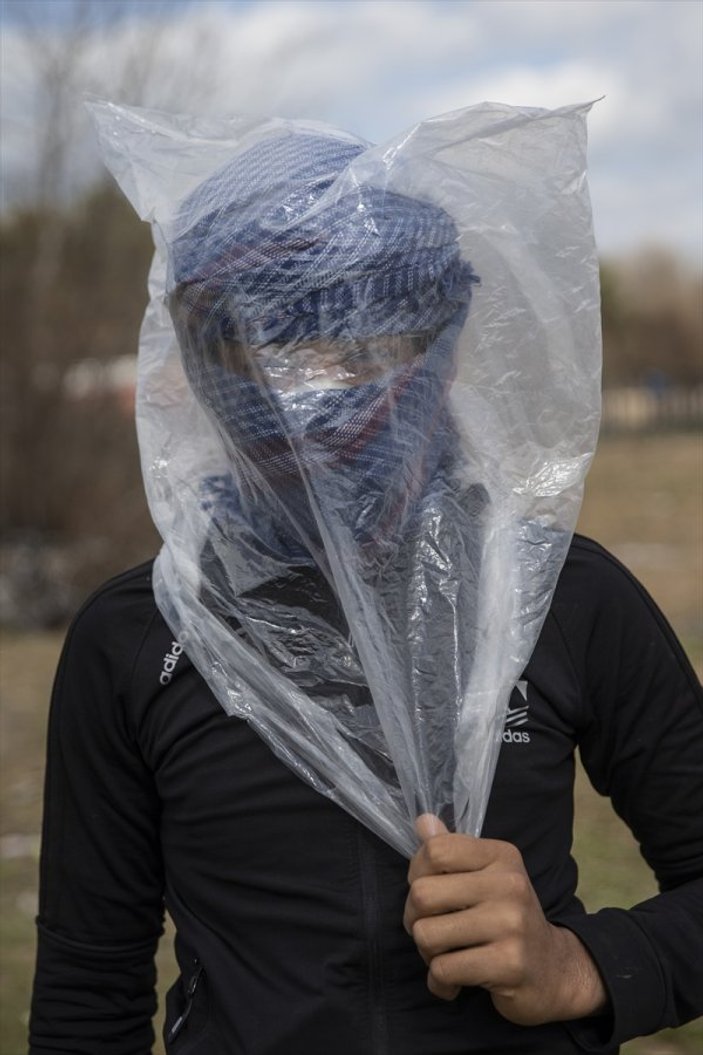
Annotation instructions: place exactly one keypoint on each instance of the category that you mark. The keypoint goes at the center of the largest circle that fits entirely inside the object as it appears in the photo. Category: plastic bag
(368, 396)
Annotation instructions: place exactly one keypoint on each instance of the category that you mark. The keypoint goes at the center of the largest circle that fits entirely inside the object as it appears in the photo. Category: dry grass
(644, 501)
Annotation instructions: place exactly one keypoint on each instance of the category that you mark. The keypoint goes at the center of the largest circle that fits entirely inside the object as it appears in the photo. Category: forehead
(365, 261)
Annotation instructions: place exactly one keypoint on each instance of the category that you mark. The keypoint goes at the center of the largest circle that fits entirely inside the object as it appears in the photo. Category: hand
(477, 921)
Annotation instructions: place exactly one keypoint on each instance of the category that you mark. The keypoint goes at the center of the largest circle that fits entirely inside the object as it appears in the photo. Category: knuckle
(445, 852)
(513, 919)
(422, 934)
(422, 896)
(438, 852)
(514, 961)
(509, 853)
(518, 885)
(440, 970)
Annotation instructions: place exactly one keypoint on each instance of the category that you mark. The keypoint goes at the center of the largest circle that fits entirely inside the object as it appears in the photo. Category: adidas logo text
(511, 737)
(170, 660)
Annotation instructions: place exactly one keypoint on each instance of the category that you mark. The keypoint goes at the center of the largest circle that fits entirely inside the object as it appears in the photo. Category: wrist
(580, 989)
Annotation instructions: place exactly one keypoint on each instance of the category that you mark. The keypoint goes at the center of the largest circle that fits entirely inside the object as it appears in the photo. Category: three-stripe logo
(515, 717)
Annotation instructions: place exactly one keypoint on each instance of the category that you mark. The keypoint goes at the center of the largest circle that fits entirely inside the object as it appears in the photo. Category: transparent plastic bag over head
(368, 396)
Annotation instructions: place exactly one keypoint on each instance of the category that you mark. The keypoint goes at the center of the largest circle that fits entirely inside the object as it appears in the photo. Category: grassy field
(644, 501)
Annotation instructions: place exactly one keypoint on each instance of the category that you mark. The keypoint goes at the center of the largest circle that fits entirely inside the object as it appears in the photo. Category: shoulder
(590, 567)
(108, 631)
(610, 622)
(111, 670)
(121, 599)
(595, 584)
(124, 591)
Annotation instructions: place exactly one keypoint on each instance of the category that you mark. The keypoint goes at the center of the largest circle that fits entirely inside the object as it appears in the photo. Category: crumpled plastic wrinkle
(368, 397)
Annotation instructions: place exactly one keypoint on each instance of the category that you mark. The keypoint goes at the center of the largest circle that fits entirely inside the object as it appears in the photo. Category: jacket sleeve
(643, 747)
(100, 906)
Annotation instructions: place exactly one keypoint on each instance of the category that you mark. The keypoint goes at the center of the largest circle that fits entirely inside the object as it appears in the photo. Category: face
(291, 367)
(325, 364)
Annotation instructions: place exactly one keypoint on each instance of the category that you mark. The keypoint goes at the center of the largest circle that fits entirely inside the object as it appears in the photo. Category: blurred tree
(72, 292)
(652, 310)
(68, 457)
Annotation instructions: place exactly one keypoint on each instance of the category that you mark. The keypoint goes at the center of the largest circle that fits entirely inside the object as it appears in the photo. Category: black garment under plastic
(288, 911)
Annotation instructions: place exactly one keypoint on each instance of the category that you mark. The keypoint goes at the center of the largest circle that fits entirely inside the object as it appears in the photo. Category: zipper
(190, 996)
(371, 915)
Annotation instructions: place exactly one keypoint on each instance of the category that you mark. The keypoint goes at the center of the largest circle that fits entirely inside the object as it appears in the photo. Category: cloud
(378, 67)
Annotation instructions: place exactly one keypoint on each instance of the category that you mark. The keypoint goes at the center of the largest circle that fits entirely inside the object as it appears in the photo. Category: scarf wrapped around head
(269, 253)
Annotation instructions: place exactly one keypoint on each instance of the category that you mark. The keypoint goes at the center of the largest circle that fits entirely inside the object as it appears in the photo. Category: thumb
(428, 824)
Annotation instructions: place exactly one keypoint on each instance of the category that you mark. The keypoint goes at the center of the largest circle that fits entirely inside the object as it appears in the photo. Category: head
(318, 320)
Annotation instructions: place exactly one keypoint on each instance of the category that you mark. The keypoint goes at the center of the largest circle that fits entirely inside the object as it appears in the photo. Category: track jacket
(287, 910)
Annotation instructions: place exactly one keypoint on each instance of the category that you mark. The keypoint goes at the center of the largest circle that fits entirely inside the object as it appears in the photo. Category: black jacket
(287, 910)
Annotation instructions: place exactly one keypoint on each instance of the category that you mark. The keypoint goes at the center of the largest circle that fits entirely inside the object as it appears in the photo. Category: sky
(376, 68)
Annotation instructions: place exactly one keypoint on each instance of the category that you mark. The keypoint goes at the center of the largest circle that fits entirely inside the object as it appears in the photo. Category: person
(298, 929)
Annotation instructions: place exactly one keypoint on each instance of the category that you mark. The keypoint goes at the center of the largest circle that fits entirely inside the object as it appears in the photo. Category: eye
(360, 355)
(235, 358)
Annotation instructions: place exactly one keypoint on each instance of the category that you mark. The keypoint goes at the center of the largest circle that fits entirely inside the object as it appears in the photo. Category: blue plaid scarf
(269, 251)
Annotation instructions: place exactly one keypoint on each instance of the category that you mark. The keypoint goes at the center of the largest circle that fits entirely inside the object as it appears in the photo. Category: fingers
(462, 853)
(444, 992)
(496, 968)
(435, 895)
(458, 930)
(466, 955)
(446, 905)
(469, 910)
